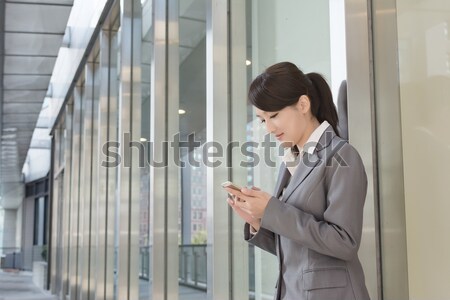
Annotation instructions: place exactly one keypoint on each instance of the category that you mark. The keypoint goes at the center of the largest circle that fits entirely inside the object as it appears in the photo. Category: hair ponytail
(322, 105)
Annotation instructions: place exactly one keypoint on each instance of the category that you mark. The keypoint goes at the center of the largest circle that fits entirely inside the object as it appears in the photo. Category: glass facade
(423, 34)
(411, 67)
(192, 127)
(158, 119)
(149, 133)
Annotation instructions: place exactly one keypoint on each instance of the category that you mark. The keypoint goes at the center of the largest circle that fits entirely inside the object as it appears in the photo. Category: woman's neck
(309, 130)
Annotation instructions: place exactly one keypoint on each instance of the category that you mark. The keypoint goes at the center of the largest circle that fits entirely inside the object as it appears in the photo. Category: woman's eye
(273, 116)
(262, 121)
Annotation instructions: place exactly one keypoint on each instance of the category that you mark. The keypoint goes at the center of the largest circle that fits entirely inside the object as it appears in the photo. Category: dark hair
(282, 84)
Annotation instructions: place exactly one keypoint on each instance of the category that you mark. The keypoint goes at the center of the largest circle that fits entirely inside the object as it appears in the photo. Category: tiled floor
(19, 286)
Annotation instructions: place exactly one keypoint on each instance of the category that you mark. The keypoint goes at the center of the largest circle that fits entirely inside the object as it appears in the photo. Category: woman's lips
(278, 136)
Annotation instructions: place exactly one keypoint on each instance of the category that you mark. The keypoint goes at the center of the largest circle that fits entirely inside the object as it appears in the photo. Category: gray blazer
(315, 230)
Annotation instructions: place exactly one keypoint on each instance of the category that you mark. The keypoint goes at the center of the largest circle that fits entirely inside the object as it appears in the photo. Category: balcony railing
(192, 266)
(10, 258)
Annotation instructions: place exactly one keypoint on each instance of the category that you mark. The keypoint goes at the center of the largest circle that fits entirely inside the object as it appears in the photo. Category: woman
(313, 221)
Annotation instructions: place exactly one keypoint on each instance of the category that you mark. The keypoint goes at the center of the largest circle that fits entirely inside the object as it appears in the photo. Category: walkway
(185, 293)
(20, 286)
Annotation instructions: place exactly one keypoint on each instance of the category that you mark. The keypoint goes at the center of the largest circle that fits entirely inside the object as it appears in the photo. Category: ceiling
(30, 39)
(31, 34)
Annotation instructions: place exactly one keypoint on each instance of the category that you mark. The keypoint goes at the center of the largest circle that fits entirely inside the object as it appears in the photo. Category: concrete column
(9, 230)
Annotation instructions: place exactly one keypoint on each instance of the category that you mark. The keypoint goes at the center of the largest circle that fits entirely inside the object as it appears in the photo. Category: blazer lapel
(283, 178)
(305, 166)
(310, 161)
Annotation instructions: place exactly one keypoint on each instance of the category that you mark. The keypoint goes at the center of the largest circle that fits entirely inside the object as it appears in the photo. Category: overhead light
(248, 62)
(143, 139)
(9, 143)
(181, 111)
(9, 136)
(10, 129)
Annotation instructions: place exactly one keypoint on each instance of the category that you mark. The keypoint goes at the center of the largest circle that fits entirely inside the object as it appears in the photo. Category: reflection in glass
(192, 205)
(107, 177)
(114, 131)
(145, 276)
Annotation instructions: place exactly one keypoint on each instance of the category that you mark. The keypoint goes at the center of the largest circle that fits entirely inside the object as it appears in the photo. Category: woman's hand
(252, 202)
(244, 215)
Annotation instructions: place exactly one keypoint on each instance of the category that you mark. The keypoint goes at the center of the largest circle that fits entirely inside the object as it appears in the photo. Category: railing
(192, 266)
(10, 258)
(144, 262)
(7, 250)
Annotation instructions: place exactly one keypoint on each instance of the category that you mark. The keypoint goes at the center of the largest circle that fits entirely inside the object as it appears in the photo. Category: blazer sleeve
(263, 239)
(339, 233)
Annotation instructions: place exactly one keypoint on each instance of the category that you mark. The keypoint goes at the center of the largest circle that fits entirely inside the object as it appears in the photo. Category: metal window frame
(164, 181)
(240, 285)
(53, 208)
(129, 123)
(86, 183)
(58, 206)
(106, 175)
(390, 193)
(75, 194)
(67, 203)
(217, 118)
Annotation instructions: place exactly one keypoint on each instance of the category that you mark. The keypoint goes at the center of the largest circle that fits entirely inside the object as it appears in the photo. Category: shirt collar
(311, 144)
(313, 140)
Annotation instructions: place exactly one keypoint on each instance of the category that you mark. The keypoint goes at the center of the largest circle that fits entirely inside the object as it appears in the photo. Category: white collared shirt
(291, 160)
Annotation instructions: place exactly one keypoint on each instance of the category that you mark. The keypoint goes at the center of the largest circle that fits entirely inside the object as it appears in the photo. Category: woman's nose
(270, 127)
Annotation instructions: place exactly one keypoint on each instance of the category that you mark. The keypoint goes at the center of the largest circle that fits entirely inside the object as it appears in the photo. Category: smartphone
(229, 184)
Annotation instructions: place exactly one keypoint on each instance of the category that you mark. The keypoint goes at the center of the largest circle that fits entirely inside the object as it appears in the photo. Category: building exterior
(150, 117)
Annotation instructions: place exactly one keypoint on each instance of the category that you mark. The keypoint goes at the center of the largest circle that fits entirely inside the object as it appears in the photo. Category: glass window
(40, 236)
(192, 105)
(75, 189)
(424, 74)
(145, 277)
(300, 32)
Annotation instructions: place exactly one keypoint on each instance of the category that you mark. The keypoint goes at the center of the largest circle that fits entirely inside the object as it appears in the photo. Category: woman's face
(292, 125)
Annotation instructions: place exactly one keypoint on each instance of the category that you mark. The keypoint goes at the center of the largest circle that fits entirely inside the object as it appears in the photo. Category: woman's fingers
(242, 213)
(244, 191)
(233, 192)
(237, 195)
(254, 192)
(243, 205)
(246, 194)
(251, 201)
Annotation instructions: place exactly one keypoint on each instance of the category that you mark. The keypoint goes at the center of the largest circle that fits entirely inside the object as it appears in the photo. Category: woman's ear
(303, 104)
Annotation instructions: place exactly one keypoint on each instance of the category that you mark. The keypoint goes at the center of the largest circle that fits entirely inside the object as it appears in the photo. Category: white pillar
(9, 230)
